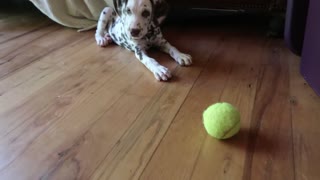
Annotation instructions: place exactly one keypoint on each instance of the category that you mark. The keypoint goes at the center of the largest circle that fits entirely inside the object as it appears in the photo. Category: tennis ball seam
(229, 130)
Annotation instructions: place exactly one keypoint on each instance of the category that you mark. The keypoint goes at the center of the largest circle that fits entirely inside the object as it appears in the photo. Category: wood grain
(72, 110)
(305, 106)
(269, 151)
(137, 145)
(186, 151)
(18, 25)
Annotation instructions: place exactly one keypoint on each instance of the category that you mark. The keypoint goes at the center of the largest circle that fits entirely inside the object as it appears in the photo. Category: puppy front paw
(161, 73)
(183, 59)
(103, 40)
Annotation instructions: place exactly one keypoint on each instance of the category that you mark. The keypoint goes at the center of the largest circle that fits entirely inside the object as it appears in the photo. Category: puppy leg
(102, 37)
(160, 72)
(180, 58)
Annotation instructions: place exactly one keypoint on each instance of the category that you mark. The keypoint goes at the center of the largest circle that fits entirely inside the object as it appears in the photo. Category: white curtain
(80, 14)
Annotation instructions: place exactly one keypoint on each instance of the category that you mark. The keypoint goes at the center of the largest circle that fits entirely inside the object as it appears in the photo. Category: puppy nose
(135, 32)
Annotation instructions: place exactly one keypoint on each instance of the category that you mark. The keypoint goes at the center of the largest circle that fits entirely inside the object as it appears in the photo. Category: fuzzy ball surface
(221, 120)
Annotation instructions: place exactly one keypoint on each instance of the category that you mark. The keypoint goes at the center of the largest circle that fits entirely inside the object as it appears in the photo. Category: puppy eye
(128, 11)
(145, 14)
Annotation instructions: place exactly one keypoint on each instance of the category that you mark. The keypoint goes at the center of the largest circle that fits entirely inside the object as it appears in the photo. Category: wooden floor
(71, 110)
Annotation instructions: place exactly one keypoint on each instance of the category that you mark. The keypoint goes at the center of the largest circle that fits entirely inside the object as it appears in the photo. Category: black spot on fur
(139, 53)
(113, 24)
(114, 37)
(118, 4)
(171, 53)
(112, 21)
(145, 14)
(161, 9)
(123, 36)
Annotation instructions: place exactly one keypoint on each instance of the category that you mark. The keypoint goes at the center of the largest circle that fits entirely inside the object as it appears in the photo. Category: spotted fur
(135, 25)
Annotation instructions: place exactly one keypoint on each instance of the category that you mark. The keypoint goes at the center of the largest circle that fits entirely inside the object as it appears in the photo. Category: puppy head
(138, 14)
(135, 15)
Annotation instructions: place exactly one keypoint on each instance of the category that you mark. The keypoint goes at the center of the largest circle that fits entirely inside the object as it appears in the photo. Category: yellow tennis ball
(221, 120)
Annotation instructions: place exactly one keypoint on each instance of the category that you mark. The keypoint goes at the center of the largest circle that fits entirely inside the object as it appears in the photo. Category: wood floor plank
(16, 88)
(56, 62)
(110, 126)
(305, 109)
(129, 157)
(15, 44)
(83, 106)
(23, 123)
(103, 134)
(269, 152)
(179, 156)
(43, 73)
(239, 90)
(15, 25)
(15, 58)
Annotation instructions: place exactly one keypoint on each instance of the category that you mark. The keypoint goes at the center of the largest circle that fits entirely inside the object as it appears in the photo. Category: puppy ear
(118, 5)
(160, 10)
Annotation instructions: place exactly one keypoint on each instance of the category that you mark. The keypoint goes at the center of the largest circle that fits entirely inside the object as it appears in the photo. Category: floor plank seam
(252, 133)
(77, 140)
(205, 65)
(46, 24)
(37, 59)
(46, 129)
(93, 123)
(37, 38)
(292, 129)
(212, 55)
(124, 133)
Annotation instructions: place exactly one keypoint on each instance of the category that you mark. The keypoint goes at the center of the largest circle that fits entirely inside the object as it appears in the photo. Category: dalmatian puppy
(135, 25)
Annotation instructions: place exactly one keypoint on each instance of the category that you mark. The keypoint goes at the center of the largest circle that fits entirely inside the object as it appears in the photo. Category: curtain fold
(80, 14)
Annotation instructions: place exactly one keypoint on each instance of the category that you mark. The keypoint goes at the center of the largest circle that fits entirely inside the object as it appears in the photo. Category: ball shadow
(251, 141)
